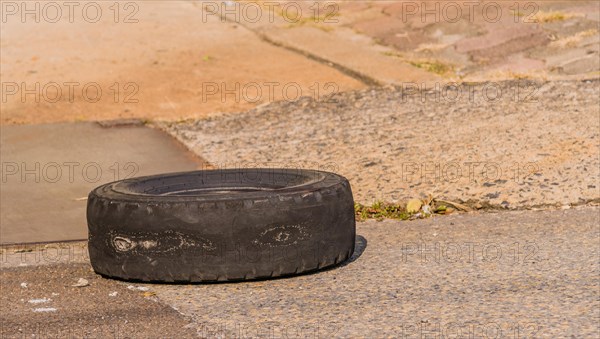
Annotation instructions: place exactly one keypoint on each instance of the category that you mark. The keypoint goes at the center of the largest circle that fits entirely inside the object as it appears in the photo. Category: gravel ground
(40, 302)
(393, 143)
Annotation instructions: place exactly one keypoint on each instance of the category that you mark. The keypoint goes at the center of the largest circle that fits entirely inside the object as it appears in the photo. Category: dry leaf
(414, 205)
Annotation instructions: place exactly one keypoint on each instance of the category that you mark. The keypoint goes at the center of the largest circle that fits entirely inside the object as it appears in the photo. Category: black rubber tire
(221, 225)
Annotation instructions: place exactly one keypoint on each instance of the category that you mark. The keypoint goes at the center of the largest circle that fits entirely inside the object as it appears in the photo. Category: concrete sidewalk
(507, 274)
(49, 170)
(395, 42)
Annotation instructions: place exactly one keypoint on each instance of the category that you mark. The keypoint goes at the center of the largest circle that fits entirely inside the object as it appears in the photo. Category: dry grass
(433, 66)
(380, 210)
(573, 40)
(552, 16)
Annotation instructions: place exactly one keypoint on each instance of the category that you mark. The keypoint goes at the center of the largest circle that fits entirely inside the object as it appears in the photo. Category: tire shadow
(360, 245)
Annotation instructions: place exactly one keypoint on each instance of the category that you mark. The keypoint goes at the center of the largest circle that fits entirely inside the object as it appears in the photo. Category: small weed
(380, 210)
(516, 75)
(433, 66)
(321, 21)
(572, 41)
(546, 17)
(392, 54)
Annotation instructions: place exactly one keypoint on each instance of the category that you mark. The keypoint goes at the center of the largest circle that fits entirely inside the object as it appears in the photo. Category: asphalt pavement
(509, 274)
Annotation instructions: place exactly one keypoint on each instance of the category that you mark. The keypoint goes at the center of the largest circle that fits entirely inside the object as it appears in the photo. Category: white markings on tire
(123, 244)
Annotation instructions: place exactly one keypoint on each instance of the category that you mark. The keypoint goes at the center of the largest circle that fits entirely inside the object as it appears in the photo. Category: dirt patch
(172, 64)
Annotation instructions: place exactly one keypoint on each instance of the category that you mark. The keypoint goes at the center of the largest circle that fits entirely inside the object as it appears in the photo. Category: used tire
(221, 225)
